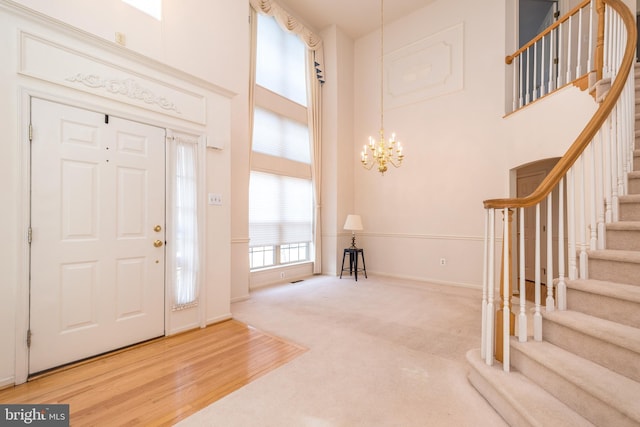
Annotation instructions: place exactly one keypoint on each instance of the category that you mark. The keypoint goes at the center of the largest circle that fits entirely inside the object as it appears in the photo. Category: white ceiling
(355, 17)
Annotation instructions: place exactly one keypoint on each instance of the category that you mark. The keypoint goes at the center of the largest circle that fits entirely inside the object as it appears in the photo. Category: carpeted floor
(382, 352)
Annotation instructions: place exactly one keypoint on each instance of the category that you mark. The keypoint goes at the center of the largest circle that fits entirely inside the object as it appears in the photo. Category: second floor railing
(559, 55)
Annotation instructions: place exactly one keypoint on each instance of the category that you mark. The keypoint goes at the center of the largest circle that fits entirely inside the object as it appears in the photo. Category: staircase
(586, 371)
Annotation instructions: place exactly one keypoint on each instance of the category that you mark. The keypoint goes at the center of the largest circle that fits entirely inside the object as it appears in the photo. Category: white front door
(98, 233)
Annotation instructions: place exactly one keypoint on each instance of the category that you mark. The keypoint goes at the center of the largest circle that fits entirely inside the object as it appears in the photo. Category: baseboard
(240, 299)
(428, 281)
(7, 382)
(219, 319)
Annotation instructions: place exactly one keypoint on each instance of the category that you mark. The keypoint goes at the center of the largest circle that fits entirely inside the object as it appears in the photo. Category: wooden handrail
(564, 18)
(592, 127)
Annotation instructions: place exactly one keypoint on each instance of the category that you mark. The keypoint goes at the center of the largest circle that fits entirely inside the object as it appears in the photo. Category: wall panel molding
(59, 64)
(425, 69)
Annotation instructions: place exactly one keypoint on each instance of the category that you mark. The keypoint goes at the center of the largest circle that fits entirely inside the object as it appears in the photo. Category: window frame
(269, 100)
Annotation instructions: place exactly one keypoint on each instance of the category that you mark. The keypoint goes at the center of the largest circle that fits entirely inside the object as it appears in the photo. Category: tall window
(185, 220)
(280, 188)
(150, 7)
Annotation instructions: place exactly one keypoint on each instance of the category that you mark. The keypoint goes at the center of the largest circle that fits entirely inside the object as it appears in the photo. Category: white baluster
(599, 197)
(543, 83)
(630, 116)
(490, 337)
(629, 110)
(552, 48)
(620, 154)
(592, 35)
(560, 57)
(535, 71)
(571, 224)
(607, 173)
(506, 317)
(485, 283)
(606, 72)
(528, 88)
(522, 316)
(537, 316)
(569, 46)
(593, 227)
(582, 225)
(613, 162)
(521, 81)
(516, 85)
(561, 290)
(550, 303)
(579, 53)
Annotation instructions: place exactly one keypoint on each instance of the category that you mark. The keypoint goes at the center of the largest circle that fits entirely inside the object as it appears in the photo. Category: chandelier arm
(368, 166)
(390, 160)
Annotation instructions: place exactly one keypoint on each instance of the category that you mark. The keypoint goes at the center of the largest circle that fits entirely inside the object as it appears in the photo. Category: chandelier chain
(382, 65)
(383, 152)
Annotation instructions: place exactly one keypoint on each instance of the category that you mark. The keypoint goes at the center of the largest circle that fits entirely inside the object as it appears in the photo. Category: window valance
(291, 24)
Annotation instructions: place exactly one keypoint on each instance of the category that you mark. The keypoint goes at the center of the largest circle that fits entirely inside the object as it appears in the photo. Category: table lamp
(353, 224)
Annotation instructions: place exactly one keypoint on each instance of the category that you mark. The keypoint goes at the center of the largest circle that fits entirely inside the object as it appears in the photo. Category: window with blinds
(280, 209)
(280, 136)
(280, 61)
(280, 187)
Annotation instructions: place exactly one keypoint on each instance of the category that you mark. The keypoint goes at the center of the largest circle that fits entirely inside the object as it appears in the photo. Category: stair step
(600, 395)
(636, 157)
(517, 399)
(630, 204)
(604, 342)
(612, 301)
(615, 265)
(624, 235)
(634, 182)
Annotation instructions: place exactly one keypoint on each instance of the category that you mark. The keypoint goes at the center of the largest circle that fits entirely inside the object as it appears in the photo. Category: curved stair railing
(585, 183)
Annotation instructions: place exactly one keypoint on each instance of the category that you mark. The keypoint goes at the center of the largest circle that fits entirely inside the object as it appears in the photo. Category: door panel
(97, 280)
(525, 186)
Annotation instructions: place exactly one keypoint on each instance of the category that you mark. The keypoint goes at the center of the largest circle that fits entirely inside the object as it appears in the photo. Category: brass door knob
(157, 243)
(157, 228)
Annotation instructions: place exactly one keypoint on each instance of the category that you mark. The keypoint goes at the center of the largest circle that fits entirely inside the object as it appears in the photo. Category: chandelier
(383, 151)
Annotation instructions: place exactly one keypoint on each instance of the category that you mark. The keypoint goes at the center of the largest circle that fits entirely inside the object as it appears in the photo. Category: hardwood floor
(161, 382)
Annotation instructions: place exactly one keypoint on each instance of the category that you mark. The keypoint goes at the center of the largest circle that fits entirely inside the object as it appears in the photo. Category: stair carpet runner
(586, 371)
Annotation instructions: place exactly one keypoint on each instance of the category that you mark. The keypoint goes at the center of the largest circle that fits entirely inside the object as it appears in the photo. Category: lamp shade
(353, 222)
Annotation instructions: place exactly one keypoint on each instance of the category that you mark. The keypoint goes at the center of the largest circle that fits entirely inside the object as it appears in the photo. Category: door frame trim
(24, 219)
(24, 212)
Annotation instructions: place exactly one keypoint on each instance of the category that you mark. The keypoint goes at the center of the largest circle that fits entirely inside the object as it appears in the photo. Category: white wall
(337, 156)
(203, 40)
(459, 148)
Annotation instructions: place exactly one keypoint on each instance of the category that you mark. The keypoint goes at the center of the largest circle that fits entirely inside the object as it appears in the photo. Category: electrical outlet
(443, 261)
(215, 199)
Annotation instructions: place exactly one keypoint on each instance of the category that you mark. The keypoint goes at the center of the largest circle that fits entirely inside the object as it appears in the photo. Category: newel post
(506, 290)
